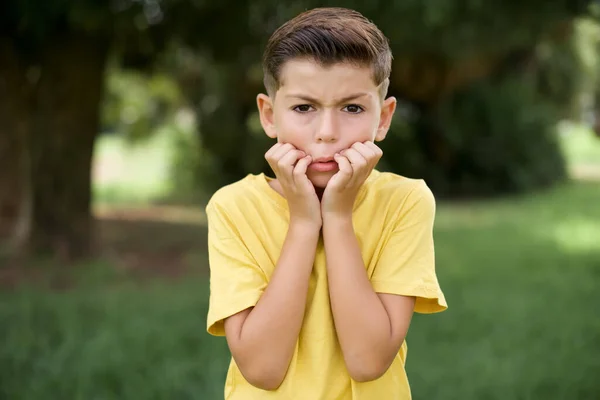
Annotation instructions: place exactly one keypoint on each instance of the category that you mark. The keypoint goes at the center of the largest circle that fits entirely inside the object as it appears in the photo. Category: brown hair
(328, 36)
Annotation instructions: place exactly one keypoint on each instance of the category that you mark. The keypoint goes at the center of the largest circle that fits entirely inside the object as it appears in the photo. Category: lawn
(521, 275)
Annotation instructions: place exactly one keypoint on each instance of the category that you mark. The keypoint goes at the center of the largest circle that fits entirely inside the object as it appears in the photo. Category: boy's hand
(355, 165)
(289, 165)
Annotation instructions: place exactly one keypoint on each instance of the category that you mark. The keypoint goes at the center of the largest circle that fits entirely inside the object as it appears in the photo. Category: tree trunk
(16, 90)
(67, 122)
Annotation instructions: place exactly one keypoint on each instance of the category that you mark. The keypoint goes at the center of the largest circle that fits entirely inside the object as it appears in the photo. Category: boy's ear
(267, 119)
(385, 118)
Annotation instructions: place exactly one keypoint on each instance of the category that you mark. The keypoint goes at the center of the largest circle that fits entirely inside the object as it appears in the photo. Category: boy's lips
(323, 164)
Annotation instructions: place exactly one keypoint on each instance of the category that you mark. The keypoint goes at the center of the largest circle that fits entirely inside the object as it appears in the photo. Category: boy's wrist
(337, 219)
(305, 227)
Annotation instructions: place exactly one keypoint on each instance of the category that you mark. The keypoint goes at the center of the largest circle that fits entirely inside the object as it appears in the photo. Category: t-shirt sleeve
(406, 265)
(236, 281)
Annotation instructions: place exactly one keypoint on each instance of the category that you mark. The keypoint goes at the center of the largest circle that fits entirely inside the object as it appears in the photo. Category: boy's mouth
(323, 164)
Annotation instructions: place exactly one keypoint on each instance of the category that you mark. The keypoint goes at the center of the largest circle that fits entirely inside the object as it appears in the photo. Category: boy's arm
(262, 339)
(371, 327)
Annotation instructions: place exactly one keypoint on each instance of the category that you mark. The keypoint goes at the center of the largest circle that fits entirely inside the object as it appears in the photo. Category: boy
(315, 273)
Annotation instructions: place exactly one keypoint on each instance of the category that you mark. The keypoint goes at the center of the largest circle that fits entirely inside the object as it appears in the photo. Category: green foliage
(448, 33)
(138, 105)
(32, 23)
(501, 137)
(522, 323)
(568, 68)
(226, 39)
(462, 27)
(491, 137)
(193, 172)
(587, 41)
(452, 28)
(401, 151)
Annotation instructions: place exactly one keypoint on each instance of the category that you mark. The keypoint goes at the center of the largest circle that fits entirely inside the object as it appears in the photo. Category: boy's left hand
(355, 165)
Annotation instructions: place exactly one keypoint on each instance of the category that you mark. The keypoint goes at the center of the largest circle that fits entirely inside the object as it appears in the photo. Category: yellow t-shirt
(393, 220)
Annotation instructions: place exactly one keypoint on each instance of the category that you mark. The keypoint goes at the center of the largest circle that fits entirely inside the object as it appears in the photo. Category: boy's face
(324, 110)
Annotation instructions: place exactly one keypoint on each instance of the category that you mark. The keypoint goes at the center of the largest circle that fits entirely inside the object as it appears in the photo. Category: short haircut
(328, 36)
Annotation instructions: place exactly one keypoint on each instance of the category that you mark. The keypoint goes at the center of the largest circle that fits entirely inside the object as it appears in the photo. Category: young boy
(315, 273)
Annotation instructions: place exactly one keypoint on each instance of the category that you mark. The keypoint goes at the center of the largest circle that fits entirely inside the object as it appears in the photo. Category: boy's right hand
(289, 165)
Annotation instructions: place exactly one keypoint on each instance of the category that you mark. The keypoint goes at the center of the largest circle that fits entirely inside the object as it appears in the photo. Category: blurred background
(119, 119)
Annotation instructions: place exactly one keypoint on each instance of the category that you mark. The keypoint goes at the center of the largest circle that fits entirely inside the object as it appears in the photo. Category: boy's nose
(327, 130)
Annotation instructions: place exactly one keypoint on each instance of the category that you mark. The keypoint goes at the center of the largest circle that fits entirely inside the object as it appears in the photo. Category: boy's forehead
(310, 77)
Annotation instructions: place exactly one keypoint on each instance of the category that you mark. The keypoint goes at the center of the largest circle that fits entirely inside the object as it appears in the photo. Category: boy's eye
(354, 109)
(302, 108)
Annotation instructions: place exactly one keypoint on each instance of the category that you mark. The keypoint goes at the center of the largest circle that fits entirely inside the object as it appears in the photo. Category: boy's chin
(320, 180)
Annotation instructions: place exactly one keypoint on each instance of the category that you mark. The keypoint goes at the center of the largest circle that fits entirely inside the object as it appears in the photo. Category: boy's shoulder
(398, 188)
(401, 198)
(238, 193)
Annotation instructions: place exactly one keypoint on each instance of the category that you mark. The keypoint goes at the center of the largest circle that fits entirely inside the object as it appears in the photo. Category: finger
(282, 151)
(362, 167)
(273, 148)
(373, 146)
(269, 157)
(357, 160)
(299, 172)
(365, 150)
(343, 176)
(270, 152)
(287, 162)
(291, 157)
(376, 149)
(277, 155)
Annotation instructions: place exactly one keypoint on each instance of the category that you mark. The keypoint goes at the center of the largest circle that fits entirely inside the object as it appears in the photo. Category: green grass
(122, 342)
(521, 276)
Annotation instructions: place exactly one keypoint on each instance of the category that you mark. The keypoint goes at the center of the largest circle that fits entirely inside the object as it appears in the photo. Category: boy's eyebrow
(313, 100)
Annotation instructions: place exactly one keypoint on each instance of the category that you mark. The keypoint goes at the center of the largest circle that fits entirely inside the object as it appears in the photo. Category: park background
(119, 119)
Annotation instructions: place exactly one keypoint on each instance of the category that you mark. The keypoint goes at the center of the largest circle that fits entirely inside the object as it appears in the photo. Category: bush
(493, 137)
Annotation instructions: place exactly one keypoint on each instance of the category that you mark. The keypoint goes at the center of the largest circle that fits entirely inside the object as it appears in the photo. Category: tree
(52, 59)
(55, 71)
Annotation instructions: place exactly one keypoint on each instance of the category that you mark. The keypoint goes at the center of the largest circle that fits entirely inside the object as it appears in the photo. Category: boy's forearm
(269, 334)
(362, 323)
